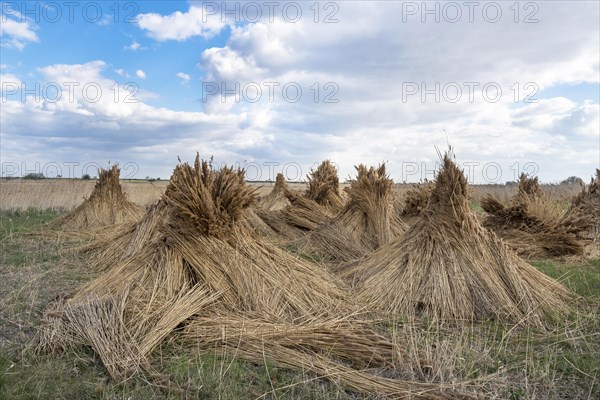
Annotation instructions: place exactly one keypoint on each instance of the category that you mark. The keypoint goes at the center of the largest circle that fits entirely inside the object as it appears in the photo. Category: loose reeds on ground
(534, 224)
(449, 267)
(315, 346)
(106, 206)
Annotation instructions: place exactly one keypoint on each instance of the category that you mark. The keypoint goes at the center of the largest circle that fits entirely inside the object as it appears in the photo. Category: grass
(501, 361)
(582, 277)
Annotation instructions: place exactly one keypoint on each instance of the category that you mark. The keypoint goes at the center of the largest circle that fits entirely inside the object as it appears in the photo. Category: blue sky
(379, 81)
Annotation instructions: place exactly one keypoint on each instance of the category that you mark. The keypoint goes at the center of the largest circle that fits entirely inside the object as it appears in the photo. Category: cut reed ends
(415, 200)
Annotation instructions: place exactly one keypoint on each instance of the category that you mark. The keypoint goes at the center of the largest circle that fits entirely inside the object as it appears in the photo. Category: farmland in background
(66, 194)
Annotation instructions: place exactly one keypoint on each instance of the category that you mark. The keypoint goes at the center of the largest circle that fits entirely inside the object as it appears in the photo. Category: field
(494, 359)
(66, 194)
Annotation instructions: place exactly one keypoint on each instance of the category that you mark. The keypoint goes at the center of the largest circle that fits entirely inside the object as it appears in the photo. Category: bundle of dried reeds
(106, 247)
(276, 199)
(584, 215)
(306, 211)
(449, 267)
(534, 224)
(106, 206)
(415, 200)
(300, 216)
(190, 249)
(324, 187)
(367, 222)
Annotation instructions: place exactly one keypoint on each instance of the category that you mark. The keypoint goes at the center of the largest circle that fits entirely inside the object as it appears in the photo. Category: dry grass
(67, 194)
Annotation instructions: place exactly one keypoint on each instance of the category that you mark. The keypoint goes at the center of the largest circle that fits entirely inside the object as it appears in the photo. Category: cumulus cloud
(560, 116)
(140, 74)
(185, 78)
(371, 90)
(371, 64)
(181, 25)
(16, 30)
(122, 72)
(106, 121)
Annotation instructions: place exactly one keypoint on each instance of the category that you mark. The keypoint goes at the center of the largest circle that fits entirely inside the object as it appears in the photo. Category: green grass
(500, 361)
(476, 206)
(581, 278)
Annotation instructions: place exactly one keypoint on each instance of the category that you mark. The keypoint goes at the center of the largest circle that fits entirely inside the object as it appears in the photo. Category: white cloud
(370, 62)
(16, 31)
(133, 46)
(181, 26)
(365, 59)
(560, 116)
(10, 85)
(112, 123)
(122, 72)
(185, 78)
(140, 74)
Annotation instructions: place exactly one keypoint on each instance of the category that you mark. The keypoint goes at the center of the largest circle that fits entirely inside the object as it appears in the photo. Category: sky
(280, 86)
